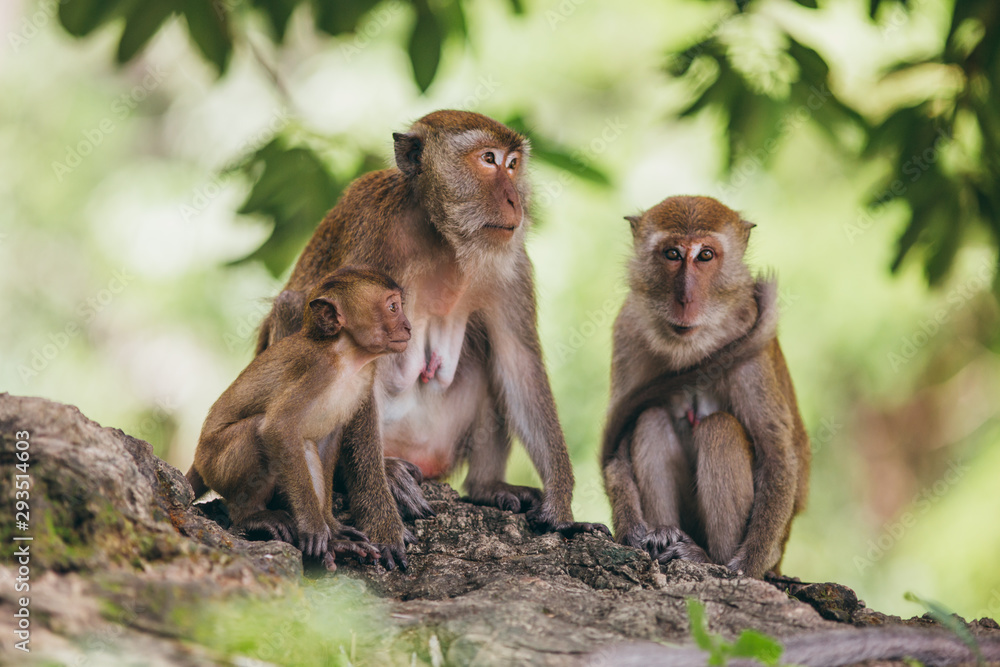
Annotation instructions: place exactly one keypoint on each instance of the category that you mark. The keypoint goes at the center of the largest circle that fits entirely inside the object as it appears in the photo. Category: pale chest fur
(338, 401)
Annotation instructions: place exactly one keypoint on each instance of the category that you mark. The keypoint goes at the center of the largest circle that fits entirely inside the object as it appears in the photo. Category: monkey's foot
(506, 496)
(667, 543)
(431, 368)
(404, 479)
(315, 542)
(268, 525)
(392, 555)
(570, 528)
(351, 542)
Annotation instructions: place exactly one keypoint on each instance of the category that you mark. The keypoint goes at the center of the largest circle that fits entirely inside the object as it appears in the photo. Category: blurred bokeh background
(162, 164)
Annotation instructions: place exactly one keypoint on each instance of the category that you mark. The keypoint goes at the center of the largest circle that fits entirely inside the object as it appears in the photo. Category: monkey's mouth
(682, 330)
(398, 345)
(500, 228)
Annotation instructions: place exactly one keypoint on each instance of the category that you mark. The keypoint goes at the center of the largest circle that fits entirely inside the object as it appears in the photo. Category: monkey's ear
(326, 316)
(408, 151)
(633, 221)
(747, 226)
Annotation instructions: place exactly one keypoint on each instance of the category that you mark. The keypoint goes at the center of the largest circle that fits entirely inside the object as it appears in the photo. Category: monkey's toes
(408, 536)
(570, 528)
(364, 552)
(415, 472)
(392, 555)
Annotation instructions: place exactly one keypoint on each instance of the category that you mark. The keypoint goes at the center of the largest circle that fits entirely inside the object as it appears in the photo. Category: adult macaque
(272, 442)
(704, 450)
(449, 223)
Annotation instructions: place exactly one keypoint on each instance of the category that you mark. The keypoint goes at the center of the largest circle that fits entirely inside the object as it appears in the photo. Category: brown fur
(449, 224)
(704, 448)
(270, 444)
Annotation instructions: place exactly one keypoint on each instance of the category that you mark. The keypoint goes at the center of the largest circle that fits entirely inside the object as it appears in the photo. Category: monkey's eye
(706, 255)
(489, 157)
(513, 163)
(672, 254)
(393, 307)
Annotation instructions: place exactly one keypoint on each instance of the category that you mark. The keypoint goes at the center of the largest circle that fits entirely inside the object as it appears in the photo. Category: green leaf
(278, 13)
(295, 190)
(208, 25)
(699, 628)
(141, 23)
(752, 644)
(336, 18)
(80, 17)
(426, 42)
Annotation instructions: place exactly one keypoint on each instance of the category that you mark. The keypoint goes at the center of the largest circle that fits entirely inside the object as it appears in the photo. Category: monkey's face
(384, 326)
(689, 257)
(478, 179)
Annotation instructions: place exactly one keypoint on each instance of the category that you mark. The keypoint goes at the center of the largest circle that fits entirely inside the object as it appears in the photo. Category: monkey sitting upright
(272, 441)
(704, 449)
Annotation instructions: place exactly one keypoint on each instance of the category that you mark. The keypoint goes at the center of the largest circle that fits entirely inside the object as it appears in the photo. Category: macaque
(449, 223)
(704, 455)
(272, 442)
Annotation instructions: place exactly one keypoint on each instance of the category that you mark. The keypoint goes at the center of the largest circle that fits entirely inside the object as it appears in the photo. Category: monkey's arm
(760, 406)
(523, 386)
(372, 505)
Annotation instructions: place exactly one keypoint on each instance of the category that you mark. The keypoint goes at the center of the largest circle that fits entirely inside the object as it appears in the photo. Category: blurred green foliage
(958, 194)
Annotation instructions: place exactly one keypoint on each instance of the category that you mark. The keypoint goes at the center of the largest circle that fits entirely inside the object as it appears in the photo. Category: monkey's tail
(196, 482)
(821, 649)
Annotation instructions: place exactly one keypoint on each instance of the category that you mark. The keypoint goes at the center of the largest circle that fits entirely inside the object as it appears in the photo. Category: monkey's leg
(488, 447)
(527, 405)
(404, 483)
(245, 481)
(663, 478)
(626, 508)
(344, 540)
(372, 506)
(725, 482)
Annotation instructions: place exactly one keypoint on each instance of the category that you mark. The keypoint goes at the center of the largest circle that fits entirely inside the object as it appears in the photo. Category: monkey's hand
(314, 541)
(667, 543)
(505, 496)
(542, 519)
(347, 541)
